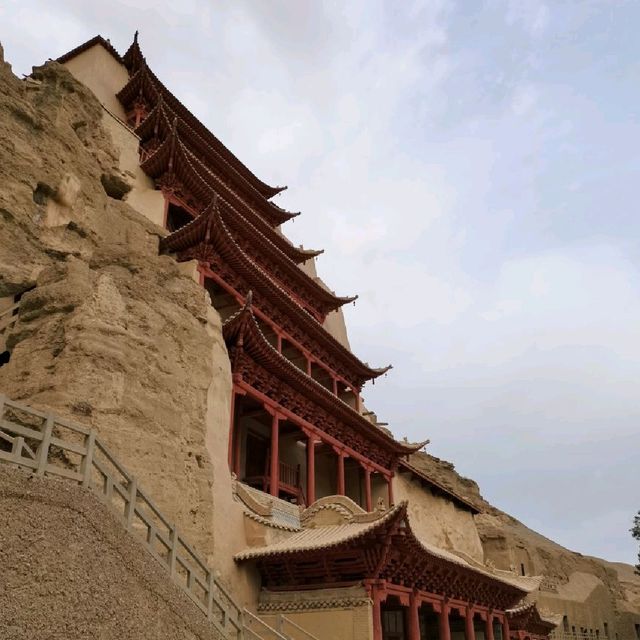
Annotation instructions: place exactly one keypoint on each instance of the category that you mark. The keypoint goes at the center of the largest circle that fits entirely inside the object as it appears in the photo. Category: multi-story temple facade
(343, 532)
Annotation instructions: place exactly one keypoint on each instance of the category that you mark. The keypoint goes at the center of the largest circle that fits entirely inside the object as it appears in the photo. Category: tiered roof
(209, 238)
(134, 60)
(244, 337)
(378, 546)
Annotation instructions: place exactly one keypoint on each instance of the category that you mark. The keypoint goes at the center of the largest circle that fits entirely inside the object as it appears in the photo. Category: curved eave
(135, 61)
(338, 537)
(243, 324)
(233, 253)
(183, 163)
(157, 123)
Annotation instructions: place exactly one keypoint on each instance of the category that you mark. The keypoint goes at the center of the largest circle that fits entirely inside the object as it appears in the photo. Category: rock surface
(108, 333)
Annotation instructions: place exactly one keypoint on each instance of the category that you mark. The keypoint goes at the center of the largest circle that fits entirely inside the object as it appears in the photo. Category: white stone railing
(50, 446)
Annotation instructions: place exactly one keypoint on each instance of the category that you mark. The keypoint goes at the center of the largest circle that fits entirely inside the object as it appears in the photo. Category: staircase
(48, 445)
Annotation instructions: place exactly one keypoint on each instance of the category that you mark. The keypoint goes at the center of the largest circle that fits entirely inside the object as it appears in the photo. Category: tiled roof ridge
(398, 511)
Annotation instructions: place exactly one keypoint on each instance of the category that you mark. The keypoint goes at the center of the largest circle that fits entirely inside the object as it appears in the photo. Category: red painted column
(335, 387)
(377, 615)
(506, 632)
(414, 618)
(308, 366)
(341, 488)
(469, 629)
(311, 470)
(279, 336)
(274, 484)
(443, 622)
(489, 628)
(367, 488)
(389, 480)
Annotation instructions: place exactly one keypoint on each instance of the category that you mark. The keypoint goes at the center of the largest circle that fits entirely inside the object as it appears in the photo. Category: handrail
(282, 620)
(252, 617)
(50, 446)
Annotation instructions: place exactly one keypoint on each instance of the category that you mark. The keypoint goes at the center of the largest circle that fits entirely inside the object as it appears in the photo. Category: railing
(559, 634)
(256, 627)
(283, 624)
(50, 446)
(289, 474)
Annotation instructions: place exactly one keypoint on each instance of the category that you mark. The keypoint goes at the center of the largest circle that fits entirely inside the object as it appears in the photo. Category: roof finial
(135, 37)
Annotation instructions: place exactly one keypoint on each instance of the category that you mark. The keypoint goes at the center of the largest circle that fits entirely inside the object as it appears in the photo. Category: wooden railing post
(43, 452)
(210, 594)
(87, 461)
(173, 537)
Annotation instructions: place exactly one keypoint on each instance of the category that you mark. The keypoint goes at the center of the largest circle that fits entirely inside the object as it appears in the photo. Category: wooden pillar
(367, 488)
(377, 616)
(274, 480)
(414, 617)
(469, 629)
(341, 488)
(279, 342)
(335, 386)
(489, 628)
(443, 622)
(308, 366)
(389, 480)
(505, 628)
(311, 470)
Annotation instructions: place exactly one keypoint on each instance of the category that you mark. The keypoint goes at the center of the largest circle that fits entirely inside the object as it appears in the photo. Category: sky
(470, 169)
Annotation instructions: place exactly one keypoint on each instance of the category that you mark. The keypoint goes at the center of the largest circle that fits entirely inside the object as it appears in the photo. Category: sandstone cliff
(109, 333)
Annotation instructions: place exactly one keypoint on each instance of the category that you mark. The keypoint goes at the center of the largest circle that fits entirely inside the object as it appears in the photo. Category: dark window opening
(177, 216)
(223, 302)
(522, 571)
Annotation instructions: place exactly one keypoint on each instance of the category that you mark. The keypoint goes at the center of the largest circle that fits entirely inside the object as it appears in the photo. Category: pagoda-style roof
(243, 335)
(171, 156)
(144, 82)
(208, 232)
(157, 126)
(341, 544)
(526, 619)
(405, 466)
(312, 296)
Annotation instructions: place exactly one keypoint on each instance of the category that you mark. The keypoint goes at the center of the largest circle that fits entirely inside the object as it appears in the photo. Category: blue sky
(470, 169)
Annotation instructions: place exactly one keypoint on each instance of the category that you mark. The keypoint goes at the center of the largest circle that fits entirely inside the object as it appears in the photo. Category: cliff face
(109, 333)
(588, 590)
